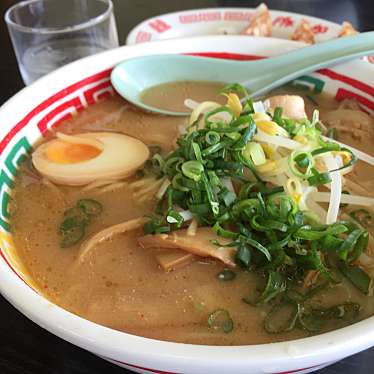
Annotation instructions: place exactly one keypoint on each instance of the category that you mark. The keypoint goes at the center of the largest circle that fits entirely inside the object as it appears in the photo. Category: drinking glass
(47, 34)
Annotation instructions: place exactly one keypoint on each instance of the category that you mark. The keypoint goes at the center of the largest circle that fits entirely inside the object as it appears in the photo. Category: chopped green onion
(172, 165)
(155, 226)
(239, 122)
(247, 136)
(359, 248)
(72, 228)
(308, 232)
(246, 189)
(157, 162)
(270, 233)
(277, 116)
(356, 276)
(212, 137)
(74, 217)
(72, 236)
(349, 244)
(234, 87)
(200, 209)
(214, 180)
(215, 148)
(302, 160)
(227, 165)
(90, 207)
(193, 170)
(248, 107)
(348, 311)
(210, 195)
(174, 217)
(275, 285)
(264, 225)
(332, 133)
(221, 109)
(197, 152)
(220, 320)
(254, 151)
(275, 323)
(329, 147)
(224, 233)
(226, 275)
(243, 256)
(238, 156)
(318, 179)
(301, 157)
(178, 183)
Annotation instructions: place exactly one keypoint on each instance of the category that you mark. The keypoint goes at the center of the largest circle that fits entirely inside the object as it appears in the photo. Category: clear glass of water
(47, 34)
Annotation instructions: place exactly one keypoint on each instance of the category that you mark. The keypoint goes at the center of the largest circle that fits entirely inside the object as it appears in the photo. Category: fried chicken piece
(347, 30)
(303, 32)
(260, 23)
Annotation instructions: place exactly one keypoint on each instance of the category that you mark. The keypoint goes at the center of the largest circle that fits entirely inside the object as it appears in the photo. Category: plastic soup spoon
(131, 77)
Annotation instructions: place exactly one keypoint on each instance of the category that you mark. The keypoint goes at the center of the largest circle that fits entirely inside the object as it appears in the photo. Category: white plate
(220, 21)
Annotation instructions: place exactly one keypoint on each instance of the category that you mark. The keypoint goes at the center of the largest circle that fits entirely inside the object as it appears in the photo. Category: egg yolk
(70, 153)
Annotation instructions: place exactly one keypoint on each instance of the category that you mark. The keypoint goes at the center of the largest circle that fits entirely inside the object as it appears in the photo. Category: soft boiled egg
(77, 160)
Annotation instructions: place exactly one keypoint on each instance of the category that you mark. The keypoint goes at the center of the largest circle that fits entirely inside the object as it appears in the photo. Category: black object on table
(26, 348)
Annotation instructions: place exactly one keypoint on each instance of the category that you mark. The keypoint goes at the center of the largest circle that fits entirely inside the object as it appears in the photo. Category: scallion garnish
(193, 170)
(275, 285)
(219, 174)
(226, 275)
(72, 228)
(89, 206)
(332, 133)
(319, 179)
(220, 320)
(356, 276)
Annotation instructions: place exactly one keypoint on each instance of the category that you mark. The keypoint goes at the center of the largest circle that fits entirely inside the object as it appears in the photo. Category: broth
(121, 285)
(171, 96)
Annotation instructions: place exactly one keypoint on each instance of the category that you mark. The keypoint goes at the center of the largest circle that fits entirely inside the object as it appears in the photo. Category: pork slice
(199, 244)
(303, 32)
(293, 106)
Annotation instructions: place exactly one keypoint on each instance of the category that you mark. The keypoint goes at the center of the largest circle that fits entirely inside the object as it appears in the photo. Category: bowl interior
(63, 94)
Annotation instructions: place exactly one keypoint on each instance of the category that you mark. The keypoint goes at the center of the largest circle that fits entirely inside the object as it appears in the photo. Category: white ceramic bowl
(25, 118)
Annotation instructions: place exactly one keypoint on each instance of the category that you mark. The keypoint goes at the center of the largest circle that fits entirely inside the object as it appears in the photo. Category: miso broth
(171, 96)
(119, 284)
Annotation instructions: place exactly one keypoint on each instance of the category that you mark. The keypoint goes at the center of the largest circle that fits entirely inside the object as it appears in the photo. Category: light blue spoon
(131, 77)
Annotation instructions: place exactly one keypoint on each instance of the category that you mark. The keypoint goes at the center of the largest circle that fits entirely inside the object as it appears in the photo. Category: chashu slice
(293, 106)
(199, 244)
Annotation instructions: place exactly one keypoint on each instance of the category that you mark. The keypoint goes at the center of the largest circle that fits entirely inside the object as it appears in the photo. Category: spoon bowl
(132, 77)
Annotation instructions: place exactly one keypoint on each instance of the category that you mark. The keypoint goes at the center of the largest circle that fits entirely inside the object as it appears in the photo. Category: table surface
(25, 348)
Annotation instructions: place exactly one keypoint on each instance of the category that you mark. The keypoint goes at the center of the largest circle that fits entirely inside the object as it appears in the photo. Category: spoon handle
(278, 70)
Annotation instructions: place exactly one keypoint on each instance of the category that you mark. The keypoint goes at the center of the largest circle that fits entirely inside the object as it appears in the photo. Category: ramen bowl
(28, 116)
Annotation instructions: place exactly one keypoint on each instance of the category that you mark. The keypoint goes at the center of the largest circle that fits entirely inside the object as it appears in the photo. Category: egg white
(121, 155)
